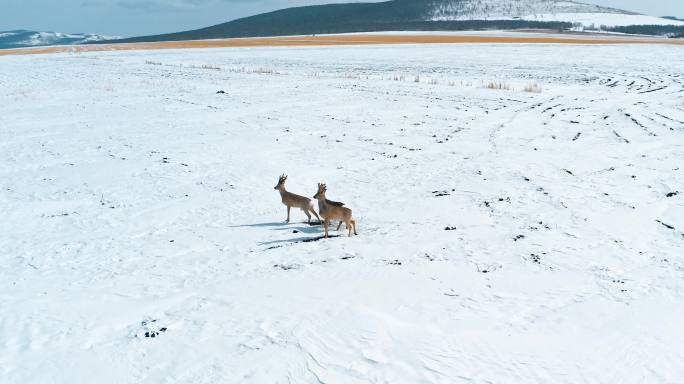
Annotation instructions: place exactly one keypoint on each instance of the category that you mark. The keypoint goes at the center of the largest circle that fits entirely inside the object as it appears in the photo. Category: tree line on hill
(673, 31)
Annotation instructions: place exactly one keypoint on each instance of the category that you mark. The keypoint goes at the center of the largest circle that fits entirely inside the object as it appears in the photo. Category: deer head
(321, 191)
(281, 182)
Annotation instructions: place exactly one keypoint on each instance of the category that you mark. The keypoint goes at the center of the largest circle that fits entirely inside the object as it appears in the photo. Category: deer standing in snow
(293, 200)
(333, 212)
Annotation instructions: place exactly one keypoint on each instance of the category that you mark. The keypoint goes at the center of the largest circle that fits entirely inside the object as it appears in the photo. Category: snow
(15, 39)
(139, 200)
(542, 10)
(607, 19)
(593, 35)
(479, 9)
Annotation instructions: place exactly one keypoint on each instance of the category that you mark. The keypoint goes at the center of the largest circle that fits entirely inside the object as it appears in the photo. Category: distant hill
(22, 38)
(417, 15)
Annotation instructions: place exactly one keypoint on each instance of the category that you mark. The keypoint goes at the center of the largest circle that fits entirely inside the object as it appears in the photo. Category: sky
(145, 17)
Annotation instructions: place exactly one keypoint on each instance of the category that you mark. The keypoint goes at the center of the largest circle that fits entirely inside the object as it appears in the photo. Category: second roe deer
(333, 212)
(293, 200)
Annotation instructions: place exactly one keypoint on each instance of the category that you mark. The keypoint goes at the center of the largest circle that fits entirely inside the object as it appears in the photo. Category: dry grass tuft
(260, 71)
(533, 88)
(498, 86)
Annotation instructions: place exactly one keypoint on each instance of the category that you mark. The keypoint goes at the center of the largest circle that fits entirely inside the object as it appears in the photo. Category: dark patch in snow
(151, 329)
(286, 267)
(668, 226)
(620, 137)
(653, 90)
(65, 214)
(318, 238)
(487, 269)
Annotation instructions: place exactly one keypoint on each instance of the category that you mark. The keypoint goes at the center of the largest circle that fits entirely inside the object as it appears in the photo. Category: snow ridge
(486, 9)
(539, 10)
(23, 38)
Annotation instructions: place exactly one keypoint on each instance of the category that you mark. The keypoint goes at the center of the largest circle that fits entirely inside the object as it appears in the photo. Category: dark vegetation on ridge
(676, 31)
(229, 31)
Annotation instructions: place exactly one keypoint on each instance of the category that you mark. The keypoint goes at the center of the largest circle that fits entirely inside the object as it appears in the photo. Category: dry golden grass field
(326, 40)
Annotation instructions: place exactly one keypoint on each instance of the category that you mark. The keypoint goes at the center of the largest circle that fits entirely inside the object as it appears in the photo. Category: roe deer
(333, 212)
(293, 200)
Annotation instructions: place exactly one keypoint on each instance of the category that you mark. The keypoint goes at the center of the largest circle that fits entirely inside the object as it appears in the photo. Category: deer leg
(307, 215)
(325, 225)
(339, 226)
(316, 214)
(288, 214)
(353, 224)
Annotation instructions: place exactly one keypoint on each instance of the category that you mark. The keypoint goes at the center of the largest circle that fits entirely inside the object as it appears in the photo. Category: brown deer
(293, 200)
(333, 212)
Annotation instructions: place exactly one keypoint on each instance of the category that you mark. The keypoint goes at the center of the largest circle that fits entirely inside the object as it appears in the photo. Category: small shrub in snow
(498, 86)
(533, 88)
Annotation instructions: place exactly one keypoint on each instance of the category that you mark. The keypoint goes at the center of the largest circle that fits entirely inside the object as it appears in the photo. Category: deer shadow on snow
(261, 225)
(304, 228)
(281, 243)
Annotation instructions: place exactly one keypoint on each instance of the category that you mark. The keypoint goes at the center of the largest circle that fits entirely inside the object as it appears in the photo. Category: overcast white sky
(144, 17)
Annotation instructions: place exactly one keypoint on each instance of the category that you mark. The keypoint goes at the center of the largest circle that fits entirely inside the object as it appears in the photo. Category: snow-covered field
(139, 202)
(585, 19)
(542, 10)
(601, 19)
